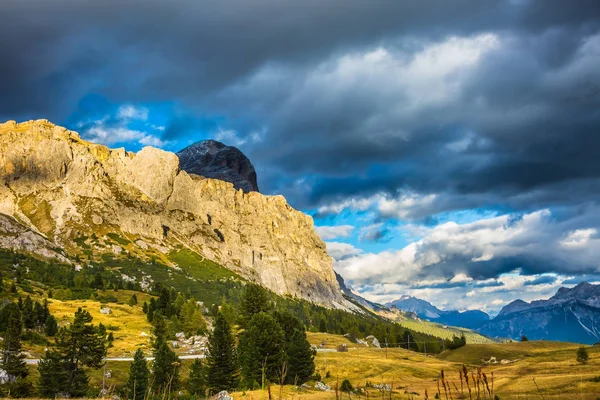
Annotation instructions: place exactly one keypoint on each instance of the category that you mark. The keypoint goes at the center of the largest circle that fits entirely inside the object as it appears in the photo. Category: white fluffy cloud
(115, 129)
(483, 249)
(334, 232)
(340, 251)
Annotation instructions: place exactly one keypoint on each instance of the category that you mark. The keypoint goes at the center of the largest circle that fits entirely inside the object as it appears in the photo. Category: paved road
(34, 361)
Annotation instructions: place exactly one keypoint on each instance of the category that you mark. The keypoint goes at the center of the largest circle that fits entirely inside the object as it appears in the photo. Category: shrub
(346, 386)
(582, 355)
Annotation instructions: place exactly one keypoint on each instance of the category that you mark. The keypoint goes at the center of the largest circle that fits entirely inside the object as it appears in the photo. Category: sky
(446, 150)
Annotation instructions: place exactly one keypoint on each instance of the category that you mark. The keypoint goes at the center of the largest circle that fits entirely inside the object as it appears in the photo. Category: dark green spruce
(222, 363)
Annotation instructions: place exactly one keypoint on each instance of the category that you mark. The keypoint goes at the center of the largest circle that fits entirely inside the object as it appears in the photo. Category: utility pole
(386, 347)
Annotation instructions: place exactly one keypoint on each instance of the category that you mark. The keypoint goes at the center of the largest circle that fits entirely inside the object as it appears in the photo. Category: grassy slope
(443, 331)
(552, 364)
(126, 322)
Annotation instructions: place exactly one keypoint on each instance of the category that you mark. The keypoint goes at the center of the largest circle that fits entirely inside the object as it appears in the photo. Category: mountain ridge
(572, 314)
(471, 319)
(61, 196)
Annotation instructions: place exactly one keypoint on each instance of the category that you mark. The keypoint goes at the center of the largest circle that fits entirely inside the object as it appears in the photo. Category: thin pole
(386, 347)
(103, 378)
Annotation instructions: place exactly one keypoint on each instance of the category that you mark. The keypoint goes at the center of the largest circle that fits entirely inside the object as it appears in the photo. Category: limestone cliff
(57, 191)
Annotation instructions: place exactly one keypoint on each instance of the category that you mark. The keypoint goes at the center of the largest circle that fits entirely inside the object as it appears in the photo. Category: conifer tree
(50, 326)
(165, 375)
(1, 283)
(197, 379)
(53, 376)
(300, 358)
(255, 300)
(261, 350)
(133, 300)
(137, 385)
(222, 364)
(28, 313)
(322, 326)
(159, 330)
(151, 310)
(145, 308)
(12, 359)
(77, 346)
(191, 318)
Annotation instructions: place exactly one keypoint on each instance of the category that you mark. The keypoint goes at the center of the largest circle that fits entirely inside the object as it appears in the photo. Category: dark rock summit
(215, 160)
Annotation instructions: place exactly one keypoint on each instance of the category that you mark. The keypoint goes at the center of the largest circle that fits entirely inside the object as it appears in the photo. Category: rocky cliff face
(213, 159)
(60, 195)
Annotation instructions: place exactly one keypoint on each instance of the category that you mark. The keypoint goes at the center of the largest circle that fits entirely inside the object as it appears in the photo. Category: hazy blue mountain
(472, 319)
(571, 315)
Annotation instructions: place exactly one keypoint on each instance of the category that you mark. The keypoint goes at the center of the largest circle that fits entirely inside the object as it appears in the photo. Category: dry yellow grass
(333, 341)
(552, 364)
(126, 322)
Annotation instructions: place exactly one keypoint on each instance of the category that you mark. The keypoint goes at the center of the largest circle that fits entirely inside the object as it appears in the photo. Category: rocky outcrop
(65, 190)
(212, 159)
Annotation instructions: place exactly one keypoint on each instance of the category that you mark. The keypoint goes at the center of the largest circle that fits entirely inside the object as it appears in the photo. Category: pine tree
(12, 359)
(133, 300)
(222, 364)
(197, 379)
(1, 282)
(38, 313)
(145, 308)
(255, 300)
(151, 310)
(159, 330)
(51, 326)
(322, 326)
(137, 385)
(28, 313)
(261, 350)
(98, 282)
(300, 358)
(77, 346)
(53, 376)
(191, 318)
(165, 375)
(164, 298)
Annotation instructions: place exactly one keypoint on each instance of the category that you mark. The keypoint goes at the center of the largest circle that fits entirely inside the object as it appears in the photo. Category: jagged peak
(213, 159)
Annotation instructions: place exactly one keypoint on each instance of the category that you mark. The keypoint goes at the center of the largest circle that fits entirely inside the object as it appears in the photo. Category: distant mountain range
(472, 319)
(571, 315)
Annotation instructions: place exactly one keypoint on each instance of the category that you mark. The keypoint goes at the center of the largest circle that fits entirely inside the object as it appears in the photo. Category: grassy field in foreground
(552, 364)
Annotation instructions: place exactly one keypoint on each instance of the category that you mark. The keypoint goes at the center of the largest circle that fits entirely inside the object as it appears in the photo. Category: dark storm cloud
(541, 280)
(340, 88)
